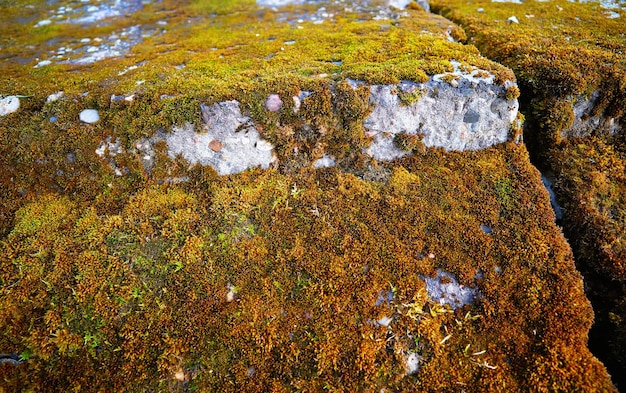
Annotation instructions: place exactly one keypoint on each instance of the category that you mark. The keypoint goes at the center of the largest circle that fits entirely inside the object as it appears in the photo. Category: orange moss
(141, 297)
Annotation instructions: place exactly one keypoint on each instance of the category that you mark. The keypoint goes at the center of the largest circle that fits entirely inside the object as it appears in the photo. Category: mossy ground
(121, 283)
(560, 51)
(121, 301)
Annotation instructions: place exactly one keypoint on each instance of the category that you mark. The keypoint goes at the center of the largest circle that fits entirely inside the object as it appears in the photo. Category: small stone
(412, 363)
(513, 19)
(180, 375)
(296, 104)
(89, 116)
(215, 145)
(273, 103)
(55, 96)
(232, 293)
(264, 146)
(471, 116)
(43, 63)
(384, 321)
(44, 22)
(8, 105)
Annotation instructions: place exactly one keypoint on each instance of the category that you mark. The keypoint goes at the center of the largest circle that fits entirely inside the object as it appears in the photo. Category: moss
(562, 52)
(268, 280)
(410, 97)
(512, 93)
(449, 78)
(145, 290)
(591, 182)
(409, 142)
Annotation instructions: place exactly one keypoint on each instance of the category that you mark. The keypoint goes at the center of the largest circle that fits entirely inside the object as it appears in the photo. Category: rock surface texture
(571, 66)
(275, 196)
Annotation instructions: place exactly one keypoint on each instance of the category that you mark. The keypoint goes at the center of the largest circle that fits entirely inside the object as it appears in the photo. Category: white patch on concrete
(8, 105)
(399, 4)
(107, 148)
(325, 161)
(585, 124)
(241, 145)
(445, 289)
(470, 113)
(44, 22)
(276, 3)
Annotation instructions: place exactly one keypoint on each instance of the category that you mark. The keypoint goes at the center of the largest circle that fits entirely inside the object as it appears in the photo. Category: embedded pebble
(232, 292)
(412, 363)
(273, 103)
(54, 96)
(215, 145)
(89, 116)
(384, 321)
(296, 104)
(8, 105)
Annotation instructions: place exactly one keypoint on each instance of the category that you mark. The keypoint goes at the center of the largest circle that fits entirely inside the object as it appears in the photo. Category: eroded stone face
(231, 143)
(468, 113)
(585, 124)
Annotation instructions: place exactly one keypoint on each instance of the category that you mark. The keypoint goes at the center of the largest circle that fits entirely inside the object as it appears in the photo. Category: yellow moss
(512, 92)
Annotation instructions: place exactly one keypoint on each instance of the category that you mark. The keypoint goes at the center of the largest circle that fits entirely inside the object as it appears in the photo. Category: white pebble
(55, 96)
(44, 22)
(43, 63)
(273, 103)
(513, 19)
(264, 146)
(384, 321)
(8, 105)
(296, 104)
(89, 116)
(412, 363)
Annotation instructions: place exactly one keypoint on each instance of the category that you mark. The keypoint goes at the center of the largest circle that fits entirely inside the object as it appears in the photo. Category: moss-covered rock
(570, 62)
(300, 282)
(127, 266)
